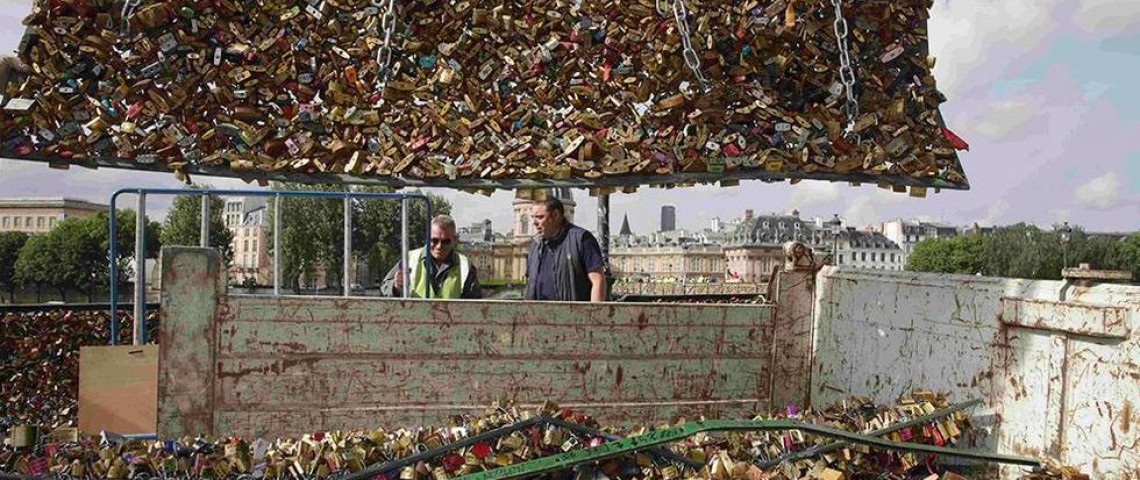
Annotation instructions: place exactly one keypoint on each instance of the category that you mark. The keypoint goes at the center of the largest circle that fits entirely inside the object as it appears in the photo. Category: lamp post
(834, 225)
(1066, 235)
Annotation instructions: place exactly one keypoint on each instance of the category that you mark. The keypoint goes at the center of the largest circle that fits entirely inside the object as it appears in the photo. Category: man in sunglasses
(451, 274)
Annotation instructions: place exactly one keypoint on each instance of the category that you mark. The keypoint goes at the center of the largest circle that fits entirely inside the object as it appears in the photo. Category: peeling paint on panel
(288, 365)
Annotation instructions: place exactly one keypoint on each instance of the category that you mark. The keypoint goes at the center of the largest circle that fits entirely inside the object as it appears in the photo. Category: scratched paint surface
(185, 386)
(290, 364)
(1057, 366)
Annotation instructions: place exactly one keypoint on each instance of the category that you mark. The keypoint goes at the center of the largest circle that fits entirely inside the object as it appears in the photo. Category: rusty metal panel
(291, 364)
(193, 278)
(886, 333)
(1031, 395)
(1080, 319)
(1102, 408)
(792, 343)
(1058, 364)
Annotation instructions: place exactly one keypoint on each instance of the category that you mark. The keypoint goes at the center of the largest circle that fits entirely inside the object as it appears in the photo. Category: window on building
(863, 256)
(39, 222)
(797, 226)
(27, 222)
(16, 222)
(765, 224)
(253, 244)
(892, 257)
(840, 262)
(245, 245)
(4, 222)
(782, 226)
(51, 222)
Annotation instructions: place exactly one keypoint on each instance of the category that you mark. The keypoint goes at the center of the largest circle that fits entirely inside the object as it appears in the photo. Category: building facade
(906, 234)
(40, 215)
(247, 218)
(755, 246)
(870, 250)
(683, 263)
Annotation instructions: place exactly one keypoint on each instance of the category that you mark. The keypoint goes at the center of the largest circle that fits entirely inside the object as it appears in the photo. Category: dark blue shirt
(591, 262)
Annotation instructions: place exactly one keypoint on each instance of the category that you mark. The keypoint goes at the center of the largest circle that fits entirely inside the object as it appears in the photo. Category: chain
(681, 16)
(387, 13)
(129, 7)
(846, 71)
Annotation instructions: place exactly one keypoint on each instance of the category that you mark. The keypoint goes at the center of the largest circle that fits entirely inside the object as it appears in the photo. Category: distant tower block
(668, 218)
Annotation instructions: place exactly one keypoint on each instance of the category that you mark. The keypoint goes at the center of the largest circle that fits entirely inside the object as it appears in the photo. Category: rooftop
(48, 202)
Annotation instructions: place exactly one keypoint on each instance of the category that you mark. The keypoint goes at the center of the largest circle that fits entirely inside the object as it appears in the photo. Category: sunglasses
(441, 241)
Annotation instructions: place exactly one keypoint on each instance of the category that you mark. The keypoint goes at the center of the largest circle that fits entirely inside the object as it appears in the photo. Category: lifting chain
(681, 17)
(846, 71)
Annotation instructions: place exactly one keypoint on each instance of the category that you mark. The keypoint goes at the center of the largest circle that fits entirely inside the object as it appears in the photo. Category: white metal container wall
(1059, 367)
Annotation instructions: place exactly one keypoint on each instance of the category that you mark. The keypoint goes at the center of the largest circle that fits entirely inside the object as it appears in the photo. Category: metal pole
(139, 325)
(113, 255)
(404, 267)
(347, 244)
(277, 244)
(604, 238)
(204, 236)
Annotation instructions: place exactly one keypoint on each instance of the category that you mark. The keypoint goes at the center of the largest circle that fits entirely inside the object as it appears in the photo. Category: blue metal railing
(140, 238)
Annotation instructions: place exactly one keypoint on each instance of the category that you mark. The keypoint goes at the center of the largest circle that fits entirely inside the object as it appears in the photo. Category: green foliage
(183, 224)
(1024, 251)
(39, 263)
(10, 245)
(379, 231)
(961, 255)
(312, 230)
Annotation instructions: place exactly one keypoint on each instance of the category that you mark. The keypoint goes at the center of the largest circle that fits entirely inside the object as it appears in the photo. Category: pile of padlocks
(381, 454)
(39, 362)
(618, 91)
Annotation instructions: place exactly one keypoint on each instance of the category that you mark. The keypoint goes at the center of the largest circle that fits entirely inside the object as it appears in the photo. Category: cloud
(867, 209)
(993, 213)
(810, 195)
(1007, 118)
(1107, 17)
(977, 41)
(1101, 193)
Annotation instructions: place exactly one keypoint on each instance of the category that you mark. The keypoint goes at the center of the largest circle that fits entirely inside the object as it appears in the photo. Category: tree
(38, 264)
(312, 230)
(312, 233)
(81, 251)
(10, 245)
(379, 229)
(125, 238)
(962, 254)
(183, 224)
(1128, 255)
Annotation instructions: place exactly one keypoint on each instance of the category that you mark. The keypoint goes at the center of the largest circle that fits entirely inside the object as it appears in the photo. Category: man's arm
(597, 286)
(595, 267)
(471, 288)
(388, 286)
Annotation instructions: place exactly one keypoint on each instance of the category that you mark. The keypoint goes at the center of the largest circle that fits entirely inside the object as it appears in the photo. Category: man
(451, 274)
(565, 261)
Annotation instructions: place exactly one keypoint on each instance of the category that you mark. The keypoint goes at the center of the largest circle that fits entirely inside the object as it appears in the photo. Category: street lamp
(834, 225)
(1066, 235)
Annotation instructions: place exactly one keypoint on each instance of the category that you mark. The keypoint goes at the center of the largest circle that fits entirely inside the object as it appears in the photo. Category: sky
(1047, 93)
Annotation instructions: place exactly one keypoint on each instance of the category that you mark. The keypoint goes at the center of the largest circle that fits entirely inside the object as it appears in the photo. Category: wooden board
(118, 389)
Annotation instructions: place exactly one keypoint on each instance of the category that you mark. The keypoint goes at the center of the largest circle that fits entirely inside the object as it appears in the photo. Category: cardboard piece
(118, 389)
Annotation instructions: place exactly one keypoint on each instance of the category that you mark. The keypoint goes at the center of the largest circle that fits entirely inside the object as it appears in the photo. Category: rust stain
(1126, 417)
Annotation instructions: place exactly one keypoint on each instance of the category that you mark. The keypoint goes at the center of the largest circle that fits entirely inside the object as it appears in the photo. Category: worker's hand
(399, 281)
